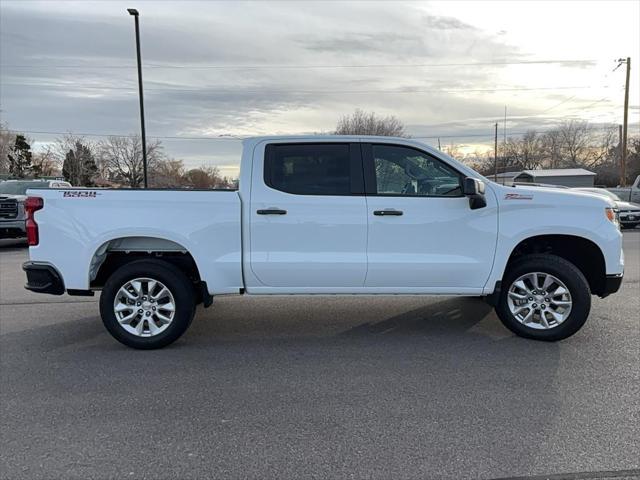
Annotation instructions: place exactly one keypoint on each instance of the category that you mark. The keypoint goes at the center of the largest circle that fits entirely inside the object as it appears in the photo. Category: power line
(242, 137)
(558, 104)
(303, 92)
(321, 66)
(608, 85)
(594, 103)
(85, 134)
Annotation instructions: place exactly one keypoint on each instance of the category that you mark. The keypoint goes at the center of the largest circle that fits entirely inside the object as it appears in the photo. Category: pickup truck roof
(335, 138)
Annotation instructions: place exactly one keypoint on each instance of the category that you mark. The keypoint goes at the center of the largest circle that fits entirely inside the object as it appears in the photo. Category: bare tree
(453, 151)
(45, 162)
(523, 153)
(575, 139)
(122, 156)
(168, 173)
(571, 145)
(7, 140)
(582, 146)
(633, 158)
(206, 177)
(363, 123)
(551, 145)
(604, 146)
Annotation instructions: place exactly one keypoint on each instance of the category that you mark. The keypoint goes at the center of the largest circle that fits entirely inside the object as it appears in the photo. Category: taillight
(32, 205)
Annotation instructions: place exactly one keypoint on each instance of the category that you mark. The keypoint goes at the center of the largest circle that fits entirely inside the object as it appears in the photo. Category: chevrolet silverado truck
(328, 215)
(628, 194)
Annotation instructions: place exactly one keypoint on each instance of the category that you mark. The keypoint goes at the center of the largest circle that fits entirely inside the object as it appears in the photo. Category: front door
(308, 216)
(423, 236)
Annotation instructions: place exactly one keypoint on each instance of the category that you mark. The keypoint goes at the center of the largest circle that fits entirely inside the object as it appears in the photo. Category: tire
(165, 316)
(550, 266)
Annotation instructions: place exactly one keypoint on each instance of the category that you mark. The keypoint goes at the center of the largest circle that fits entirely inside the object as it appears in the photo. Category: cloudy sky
(230, 68)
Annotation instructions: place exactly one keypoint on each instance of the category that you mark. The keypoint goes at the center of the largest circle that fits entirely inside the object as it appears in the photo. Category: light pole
(135, 14)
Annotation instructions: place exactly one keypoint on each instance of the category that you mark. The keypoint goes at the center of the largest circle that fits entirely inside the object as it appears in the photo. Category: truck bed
(206, 224)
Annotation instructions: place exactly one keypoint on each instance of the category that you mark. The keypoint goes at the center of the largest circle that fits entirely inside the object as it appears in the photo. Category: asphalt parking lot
(321, 387)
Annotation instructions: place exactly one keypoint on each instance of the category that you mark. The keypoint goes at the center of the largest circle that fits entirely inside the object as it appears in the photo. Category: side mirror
(474, 189)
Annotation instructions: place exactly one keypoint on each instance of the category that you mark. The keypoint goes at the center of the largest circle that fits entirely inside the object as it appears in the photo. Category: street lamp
(135, 14)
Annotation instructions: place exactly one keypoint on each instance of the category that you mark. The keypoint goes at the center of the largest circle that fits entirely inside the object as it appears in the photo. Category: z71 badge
(79, 194)
(517, 196)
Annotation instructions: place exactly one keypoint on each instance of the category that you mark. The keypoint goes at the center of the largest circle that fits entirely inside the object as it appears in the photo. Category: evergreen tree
(68, 167)
(79, 166)
(89, 167)
(20, 158)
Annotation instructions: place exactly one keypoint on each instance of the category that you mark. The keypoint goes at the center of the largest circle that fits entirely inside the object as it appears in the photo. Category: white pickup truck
(628, 194)
(328, 215)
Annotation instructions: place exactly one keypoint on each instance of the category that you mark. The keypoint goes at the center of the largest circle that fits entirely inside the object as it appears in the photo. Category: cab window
(311, 169)
(399, 170)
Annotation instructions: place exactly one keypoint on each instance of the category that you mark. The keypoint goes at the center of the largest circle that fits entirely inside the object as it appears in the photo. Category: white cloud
(215, 93)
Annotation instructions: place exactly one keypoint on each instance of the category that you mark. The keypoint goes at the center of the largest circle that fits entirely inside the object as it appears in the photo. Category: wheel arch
(580, 251)
(118, 251)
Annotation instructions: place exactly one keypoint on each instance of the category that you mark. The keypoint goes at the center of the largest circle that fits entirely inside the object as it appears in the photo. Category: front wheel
(147, 304)
(544, 297)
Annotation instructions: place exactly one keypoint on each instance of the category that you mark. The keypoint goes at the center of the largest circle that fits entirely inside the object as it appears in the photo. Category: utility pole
(135, 14)
(495, 155)
(504, 160)
(439, 144)
(623, 159)
(620, 149)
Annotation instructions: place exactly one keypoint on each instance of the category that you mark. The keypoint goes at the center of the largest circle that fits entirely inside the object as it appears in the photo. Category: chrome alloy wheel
(144, 307)
(539, 300)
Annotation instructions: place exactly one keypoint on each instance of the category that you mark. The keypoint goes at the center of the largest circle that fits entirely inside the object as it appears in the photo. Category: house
(568, 177)
(504, 178)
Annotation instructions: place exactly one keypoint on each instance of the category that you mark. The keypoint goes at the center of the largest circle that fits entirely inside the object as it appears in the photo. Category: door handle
(387, 211)
(272, 211)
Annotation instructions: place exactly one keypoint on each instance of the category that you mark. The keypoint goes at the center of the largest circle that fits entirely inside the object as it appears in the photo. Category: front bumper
(611, 285)
(629, 217)
(13, 229)
(630, 223)
(43, 278)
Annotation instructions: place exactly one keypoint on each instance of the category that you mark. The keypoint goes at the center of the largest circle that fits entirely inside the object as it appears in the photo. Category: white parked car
(328, 215)
(628, 212)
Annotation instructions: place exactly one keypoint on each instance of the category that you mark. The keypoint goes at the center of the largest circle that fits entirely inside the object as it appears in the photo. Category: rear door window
(314, 169)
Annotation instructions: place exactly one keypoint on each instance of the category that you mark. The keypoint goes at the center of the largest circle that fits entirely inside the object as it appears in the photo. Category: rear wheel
(147, 304)
(544, 297)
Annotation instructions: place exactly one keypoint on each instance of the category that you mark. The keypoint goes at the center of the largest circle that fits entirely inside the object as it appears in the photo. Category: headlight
(612, 216)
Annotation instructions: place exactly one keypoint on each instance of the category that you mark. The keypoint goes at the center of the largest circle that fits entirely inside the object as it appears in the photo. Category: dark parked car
(12, 196)
(629, 213)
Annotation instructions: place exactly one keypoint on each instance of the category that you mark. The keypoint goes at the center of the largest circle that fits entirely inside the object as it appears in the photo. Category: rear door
(423, 236)
(308, 216)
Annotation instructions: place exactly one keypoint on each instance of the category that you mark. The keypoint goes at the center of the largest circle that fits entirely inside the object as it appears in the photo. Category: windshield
(19, 188)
